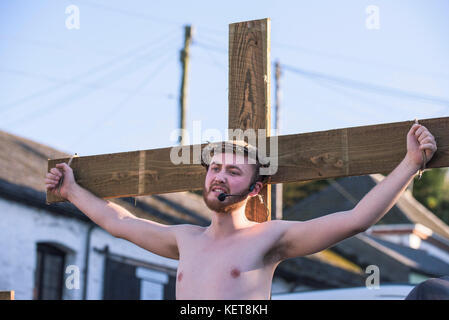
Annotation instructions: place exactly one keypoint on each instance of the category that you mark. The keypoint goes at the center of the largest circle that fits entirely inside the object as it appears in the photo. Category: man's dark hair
(236, 146)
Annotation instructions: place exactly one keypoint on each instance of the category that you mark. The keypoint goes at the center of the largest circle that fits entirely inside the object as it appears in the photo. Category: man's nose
(219, 178)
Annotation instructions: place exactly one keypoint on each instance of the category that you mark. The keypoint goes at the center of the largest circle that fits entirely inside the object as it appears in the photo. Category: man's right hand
(53, 177)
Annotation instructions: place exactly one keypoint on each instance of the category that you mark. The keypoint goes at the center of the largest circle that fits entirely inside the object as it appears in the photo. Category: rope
(424, 159)
(62, 178)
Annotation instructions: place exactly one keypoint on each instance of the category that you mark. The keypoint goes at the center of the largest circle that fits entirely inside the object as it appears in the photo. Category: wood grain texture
(302, 157)
(354, 151)
(249, 75)
(134, 173)
(249, 91)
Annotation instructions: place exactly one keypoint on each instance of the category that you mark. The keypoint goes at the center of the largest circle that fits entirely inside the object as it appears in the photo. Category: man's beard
(228, 205)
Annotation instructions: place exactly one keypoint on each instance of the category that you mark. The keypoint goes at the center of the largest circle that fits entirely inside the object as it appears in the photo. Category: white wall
(22, 227)
(99, 240)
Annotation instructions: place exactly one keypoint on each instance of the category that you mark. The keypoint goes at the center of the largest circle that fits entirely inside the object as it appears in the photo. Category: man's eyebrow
(229, 166)
(234, 167)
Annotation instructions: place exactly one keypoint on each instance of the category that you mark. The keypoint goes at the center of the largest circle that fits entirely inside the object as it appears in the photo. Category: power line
(55, 45)
(210, 47)
(216, 47)
(355, 84)
(71, 98)
(147, 80)
(58, 80)
(67, 100)
(130, 13)
(214, 41)
(143, 16)
(370, 63)
(184, 59)
(96, 69)
(215, 62)
(367, 86)
(344, 92)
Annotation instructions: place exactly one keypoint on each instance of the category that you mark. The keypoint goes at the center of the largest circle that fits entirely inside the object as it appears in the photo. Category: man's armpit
(275, 255)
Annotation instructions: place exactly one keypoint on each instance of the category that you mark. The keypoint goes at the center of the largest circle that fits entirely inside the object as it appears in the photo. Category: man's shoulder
(269, 229)
(269, 225)
(189, 229)
(273, 229)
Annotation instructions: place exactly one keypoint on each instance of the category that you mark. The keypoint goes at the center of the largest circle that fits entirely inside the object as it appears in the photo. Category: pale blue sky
(113, 85)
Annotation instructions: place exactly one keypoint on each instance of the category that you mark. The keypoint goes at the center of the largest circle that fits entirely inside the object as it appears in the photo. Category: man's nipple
(235, 273)
(180, 275)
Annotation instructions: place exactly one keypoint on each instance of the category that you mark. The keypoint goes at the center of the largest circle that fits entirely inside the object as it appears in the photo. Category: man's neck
(227, 224)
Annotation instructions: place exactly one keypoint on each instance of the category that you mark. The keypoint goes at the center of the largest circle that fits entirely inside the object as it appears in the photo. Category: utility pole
(276, 213)
(188, 30)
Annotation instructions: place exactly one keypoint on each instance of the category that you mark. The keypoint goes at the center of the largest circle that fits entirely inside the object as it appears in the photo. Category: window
(152, 283)
(120, 282)
(49, 276)
(128, 281)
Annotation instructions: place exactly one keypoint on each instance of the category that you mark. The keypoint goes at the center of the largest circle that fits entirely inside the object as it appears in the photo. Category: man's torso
(238, 267)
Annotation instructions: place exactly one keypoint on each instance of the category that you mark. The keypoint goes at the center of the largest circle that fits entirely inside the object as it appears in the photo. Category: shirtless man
(234, 258)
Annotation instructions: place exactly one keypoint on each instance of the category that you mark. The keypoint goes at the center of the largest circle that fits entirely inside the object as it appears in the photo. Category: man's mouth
(218, 189)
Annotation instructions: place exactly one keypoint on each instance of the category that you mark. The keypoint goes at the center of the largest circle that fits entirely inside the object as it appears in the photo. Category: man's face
(231, 174)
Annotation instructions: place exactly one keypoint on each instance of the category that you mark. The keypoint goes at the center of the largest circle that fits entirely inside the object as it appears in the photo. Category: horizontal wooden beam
(354, 151)
(135, 173)
(309, 156)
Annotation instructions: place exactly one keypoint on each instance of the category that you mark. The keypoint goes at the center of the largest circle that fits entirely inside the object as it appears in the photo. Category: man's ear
(257, 188)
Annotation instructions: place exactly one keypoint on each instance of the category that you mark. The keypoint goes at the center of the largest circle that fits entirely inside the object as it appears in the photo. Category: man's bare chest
(221, 272)
(232, 266)
(229, 259)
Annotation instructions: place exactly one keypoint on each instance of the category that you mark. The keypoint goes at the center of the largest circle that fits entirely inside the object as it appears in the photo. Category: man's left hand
(419, 138)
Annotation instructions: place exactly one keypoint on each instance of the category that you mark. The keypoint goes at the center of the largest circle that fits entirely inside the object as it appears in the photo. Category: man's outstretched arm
(155, 237)
(303, 238)
(385, 194)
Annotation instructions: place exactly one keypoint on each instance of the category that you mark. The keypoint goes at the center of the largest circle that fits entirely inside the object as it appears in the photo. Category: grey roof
(417, 260)
(307, 271)
(344, 193)
(396, 262)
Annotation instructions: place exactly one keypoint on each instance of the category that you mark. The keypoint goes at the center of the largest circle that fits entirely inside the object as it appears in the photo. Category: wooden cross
(301, 157)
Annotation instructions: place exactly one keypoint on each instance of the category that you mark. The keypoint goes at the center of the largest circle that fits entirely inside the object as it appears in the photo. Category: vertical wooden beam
(249, 91)
(6, 295)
